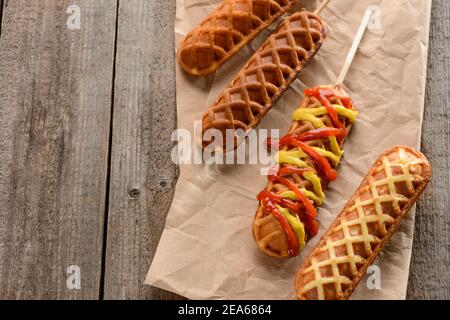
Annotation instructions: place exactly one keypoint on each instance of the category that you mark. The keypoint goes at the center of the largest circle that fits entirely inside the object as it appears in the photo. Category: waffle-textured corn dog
(310, 153)
(269, 72)
(225, 31)
(364, 226)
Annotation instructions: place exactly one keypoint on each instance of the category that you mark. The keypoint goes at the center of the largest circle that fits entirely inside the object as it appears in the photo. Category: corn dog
(362, 229)
(225, 31)
(308, 157)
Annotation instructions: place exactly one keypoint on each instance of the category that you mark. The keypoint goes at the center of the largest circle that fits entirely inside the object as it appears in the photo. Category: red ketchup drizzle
(323, 94)
(309, 214)
(272, 144)
(287, 171)
(322, 133)
(269, 201)
(266, 199)
(326, 170)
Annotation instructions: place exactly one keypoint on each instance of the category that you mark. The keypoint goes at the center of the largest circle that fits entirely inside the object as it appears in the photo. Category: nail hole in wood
(134, 193)
(163, 184)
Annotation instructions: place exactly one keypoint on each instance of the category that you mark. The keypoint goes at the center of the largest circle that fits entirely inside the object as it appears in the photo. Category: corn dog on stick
(268, 73)
(225, 31)
(310, 153)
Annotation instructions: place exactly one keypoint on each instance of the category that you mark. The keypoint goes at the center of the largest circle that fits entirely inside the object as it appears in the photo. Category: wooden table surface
(85, 173)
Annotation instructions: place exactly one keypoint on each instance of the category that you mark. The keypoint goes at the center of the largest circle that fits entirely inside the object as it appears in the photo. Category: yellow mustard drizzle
(292, 196)
(293, 157)
(296, 224)
(311, 115)
(301, 113)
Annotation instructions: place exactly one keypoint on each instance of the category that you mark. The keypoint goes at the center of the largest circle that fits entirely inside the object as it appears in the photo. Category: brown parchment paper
(207, 250)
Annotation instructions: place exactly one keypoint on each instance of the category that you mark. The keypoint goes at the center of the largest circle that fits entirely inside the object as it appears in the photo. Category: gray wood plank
(55, 101)
(430, 271)
(142, 174)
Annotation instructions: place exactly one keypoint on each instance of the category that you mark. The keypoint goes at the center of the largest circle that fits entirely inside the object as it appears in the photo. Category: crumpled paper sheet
(207, 250)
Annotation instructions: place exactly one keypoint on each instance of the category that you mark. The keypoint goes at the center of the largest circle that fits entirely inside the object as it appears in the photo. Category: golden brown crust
(225, 31)
(268, 73)
(267, 231)
(364, 226)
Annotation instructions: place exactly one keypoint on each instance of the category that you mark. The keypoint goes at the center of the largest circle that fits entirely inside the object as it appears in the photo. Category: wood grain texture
(55, 100)
(430, 264)
(142, 173)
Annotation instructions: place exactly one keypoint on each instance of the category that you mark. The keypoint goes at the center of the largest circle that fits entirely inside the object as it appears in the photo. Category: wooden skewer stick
(355, 46)
(322, 6)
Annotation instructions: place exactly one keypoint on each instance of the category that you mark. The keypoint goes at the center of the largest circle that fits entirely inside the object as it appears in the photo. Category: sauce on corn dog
(295, 209)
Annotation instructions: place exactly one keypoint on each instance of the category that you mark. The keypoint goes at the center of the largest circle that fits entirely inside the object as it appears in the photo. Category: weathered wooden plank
(142, 175)
(55, 101)
(430, 272)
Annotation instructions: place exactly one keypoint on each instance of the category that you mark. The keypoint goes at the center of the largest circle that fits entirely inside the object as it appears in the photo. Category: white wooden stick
(354, 48)
(322, 6)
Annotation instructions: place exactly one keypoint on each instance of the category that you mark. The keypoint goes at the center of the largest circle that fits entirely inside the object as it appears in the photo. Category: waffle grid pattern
(225, 31)
(248, 97)
(351, 232)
